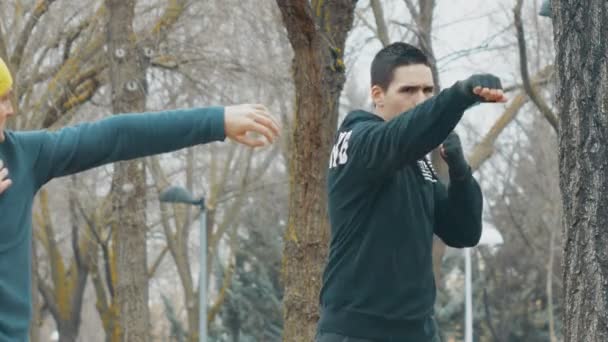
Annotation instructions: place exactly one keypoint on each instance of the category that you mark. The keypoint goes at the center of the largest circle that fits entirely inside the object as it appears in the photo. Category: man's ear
(377, 94)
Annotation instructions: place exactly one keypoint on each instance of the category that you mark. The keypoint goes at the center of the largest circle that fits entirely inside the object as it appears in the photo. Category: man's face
(6, 110)
(411, 85)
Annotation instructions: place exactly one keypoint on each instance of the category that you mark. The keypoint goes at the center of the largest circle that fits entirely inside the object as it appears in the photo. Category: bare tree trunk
(581, 43)
(36, 316)
(317, 32)
(550, 316)
(128, 79)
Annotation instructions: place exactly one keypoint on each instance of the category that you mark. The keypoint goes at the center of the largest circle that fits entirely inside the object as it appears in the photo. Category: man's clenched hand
(241, 120)
(483, 88)
(451, 152)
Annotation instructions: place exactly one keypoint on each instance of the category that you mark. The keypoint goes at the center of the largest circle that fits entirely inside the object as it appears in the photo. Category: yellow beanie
(6, 80)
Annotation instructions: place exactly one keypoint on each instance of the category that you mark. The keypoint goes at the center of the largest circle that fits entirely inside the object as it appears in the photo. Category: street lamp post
(468, 305)
(489, 237)
(180, 195)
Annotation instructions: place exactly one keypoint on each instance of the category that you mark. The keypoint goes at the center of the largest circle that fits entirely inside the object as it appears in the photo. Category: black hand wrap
(458, 166)
(481, 80)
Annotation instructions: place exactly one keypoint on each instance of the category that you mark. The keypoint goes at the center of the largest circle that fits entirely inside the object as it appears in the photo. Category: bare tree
(129, 84)
(63, 294)
(317, 32)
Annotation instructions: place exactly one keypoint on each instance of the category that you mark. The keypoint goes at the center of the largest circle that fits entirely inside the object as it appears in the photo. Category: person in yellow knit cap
(6, 85)
(35, 157)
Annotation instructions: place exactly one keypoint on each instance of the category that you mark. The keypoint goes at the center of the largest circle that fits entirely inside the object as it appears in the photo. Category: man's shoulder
(11, 138)
(24, 139)
(356, 117)
(30, 134)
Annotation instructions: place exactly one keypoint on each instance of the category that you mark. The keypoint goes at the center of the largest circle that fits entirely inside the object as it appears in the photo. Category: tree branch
(102, 299)
(173, 11)
(178, 251)
(76, 91)
(302, 28)
(488, 315)
(157, 262)
(56, 263)
(3, 49)
(73, 214)
(484, 149)
(523, 60)
(381, 29)
(235, 208)
(47, 295)
(412, 8)
(108, 269)
(41, 8)
(58, 98)
(226, 282)
(541, 82)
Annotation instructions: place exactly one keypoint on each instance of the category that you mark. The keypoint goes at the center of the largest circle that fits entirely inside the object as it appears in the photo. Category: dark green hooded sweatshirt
(385, 204)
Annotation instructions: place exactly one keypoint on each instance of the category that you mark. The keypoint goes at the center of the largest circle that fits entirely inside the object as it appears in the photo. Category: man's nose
(420, 97)
(9, 108)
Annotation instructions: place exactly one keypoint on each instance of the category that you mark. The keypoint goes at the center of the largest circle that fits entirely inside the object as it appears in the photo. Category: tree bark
(317, 32)
(581, 43)
(128, 80)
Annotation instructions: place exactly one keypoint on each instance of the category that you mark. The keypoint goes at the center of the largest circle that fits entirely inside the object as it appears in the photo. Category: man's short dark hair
(390, 58)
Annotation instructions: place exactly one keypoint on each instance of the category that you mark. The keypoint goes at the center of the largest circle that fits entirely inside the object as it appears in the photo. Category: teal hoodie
(385, 204)
(35, 157)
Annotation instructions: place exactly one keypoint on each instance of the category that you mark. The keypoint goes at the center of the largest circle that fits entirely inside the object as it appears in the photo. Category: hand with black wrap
(482, 88)
(451, 152)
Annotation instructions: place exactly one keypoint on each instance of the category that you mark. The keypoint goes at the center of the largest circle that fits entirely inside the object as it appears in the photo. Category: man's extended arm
(387, 146)
(128, 136)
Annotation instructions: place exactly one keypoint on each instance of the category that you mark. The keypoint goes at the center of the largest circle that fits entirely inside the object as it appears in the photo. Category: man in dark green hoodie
(385, 201)
(33, 158)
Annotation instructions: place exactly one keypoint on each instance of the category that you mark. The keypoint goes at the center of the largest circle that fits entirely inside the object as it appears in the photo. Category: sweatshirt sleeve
(123, 137)
(458, 212)
(380, 147)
